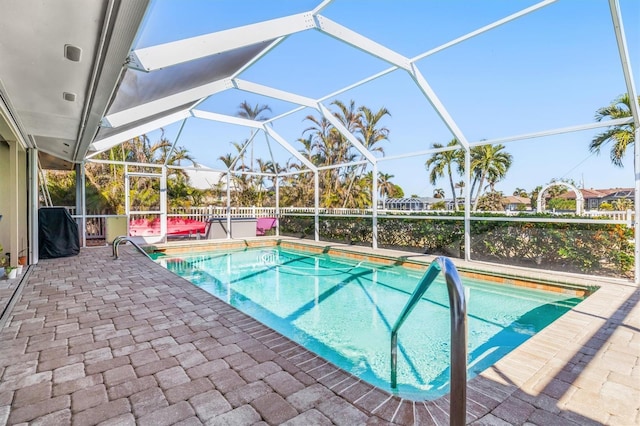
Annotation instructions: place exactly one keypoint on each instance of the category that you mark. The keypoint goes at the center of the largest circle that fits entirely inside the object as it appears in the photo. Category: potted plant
(22, 255)
(11, 272)
(22, 259)
(3, 261)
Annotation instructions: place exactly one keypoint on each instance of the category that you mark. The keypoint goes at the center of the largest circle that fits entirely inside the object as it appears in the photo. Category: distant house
(204, 178)
(411, 204)
(593, 198)
(516, 203)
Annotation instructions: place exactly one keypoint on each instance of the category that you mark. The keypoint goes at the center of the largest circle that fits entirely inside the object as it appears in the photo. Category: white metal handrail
(458, 309)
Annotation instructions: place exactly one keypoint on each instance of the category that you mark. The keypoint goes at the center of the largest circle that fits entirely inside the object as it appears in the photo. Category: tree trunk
(475, 203)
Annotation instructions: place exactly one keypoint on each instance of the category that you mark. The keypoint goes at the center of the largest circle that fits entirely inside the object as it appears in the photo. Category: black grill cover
(58, 233)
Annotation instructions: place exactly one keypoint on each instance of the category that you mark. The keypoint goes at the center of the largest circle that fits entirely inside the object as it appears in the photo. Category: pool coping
(542, 370)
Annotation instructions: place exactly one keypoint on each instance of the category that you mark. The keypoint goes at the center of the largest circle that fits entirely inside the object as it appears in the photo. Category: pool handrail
(458, 303)
(121, 238)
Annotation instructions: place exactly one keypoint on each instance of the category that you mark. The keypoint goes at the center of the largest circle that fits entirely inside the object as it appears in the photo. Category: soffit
(34, 72)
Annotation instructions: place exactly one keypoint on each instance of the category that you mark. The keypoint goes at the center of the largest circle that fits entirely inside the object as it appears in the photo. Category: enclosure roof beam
(286, 145)
(326, 113)
(484, 29)
(444, 46)
(435, 102)
(175, 142)
(337, 166)
(213, 116)
(118, 138)
(260, 89)
(361, 42)
(243, 149)
(319, 8)
(559, 131)
(295, 172)
(151, 108)
(176, 52)
(625, 61)
(417, 153)
(257, 57)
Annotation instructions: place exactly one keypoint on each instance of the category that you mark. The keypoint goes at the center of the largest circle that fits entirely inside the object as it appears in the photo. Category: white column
(277, 206)
(374, 211)
(81, 202)
(163, 204)
(636, 201)
(127, 201)
(14, 198)
(618, 29)
(467, 204)
(32, 206)
(228, 204)
(316, 206)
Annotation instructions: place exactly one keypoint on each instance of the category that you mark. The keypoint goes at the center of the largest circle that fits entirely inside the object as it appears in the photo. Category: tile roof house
(593, 198)
(514, 202)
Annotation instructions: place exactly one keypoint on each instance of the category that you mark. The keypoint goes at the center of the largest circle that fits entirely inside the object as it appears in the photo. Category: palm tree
(109, 178)
(386, 188)
(444, 161)
(263, 167)
(438, 193)
(533, 196)
(324, 145)
(369, 135)
(621, 136)
(351, 118)
(489, 163)
(227, 159)
(252, 113)
(520, 192)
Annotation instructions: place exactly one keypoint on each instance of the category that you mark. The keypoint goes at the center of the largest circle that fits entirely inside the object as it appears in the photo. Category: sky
(550, 69)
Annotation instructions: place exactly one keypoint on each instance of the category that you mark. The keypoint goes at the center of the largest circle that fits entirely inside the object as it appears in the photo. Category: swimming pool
(344, 310)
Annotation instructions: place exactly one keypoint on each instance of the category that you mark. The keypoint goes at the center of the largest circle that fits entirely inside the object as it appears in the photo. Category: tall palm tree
(263, 167)
(489, 163)
(252, 113)
(351, 117)
(444, 161)
(324, 146)
(369, 134)
(369, 131)
(621, 136)
(533, 196)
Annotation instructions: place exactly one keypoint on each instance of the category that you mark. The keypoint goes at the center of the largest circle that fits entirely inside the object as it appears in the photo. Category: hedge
(593, 248)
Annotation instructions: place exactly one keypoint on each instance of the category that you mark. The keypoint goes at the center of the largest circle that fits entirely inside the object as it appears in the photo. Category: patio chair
(265, 224)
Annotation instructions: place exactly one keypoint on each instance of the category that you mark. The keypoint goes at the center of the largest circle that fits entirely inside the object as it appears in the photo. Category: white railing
(96, 223)
(627, 216)
(204, 212)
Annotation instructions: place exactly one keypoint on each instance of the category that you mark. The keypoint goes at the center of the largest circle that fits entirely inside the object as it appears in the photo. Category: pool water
(344, 311)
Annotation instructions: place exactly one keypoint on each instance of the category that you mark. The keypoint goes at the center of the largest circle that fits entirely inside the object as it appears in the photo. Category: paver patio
(92, 340)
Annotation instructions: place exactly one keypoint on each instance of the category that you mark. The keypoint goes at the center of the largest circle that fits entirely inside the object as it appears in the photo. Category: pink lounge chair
(263, 224)
(175, 226)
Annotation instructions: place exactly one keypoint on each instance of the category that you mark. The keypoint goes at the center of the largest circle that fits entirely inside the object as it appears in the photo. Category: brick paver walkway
(92, 340)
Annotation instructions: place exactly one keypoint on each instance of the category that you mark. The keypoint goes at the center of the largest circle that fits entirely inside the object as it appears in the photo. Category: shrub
(572, 247)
